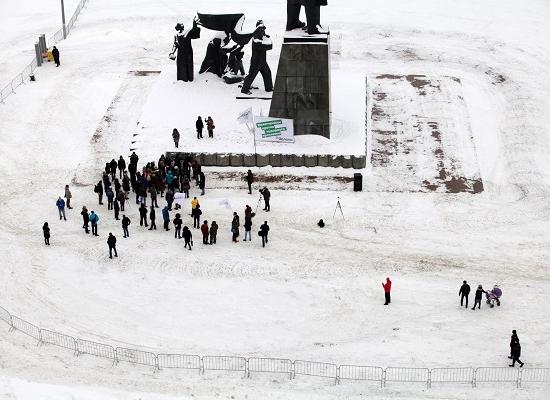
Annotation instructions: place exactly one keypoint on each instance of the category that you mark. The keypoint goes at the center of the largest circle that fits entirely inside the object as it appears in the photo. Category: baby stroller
(493, 296)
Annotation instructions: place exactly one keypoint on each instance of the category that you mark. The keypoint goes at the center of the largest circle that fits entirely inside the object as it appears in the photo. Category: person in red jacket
(205, 231)
(387, 290)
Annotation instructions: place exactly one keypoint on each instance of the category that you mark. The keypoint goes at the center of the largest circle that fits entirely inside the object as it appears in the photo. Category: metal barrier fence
(24, 75)
(278, 365)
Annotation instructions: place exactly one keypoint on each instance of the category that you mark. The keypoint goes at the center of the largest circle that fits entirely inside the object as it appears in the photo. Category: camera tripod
(259, 202)
(338, 207)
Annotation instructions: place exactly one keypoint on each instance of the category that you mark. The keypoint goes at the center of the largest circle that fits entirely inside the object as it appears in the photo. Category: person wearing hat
(479, 296)
(258, 62)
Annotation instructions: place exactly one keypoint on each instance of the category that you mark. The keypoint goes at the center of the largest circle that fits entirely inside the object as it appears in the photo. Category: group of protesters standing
(170, 179)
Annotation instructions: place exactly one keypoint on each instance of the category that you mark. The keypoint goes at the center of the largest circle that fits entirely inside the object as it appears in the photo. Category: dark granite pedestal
(302, 86)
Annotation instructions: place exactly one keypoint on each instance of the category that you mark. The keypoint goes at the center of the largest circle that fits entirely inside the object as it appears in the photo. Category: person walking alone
(85, 219)
(249, 181)
(94, 219)
(213, 232)
(513, 340)
(199, 125)
(176, 137)
(478, 297)
(152, 217)
(264, 231)
(60, 203)
(111, 242)
(125, 223)
(68, 196)
(387, 291)
(46, 231)
(463, 293)
(202, 182)
(267, 195)
(516, 354)
(205, 232)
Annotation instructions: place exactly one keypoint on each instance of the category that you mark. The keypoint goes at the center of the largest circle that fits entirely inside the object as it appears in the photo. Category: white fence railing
(252, 365)
(9, 88)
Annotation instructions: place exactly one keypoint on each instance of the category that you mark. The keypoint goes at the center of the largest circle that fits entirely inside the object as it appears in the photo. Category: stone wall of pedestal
(302, 86)
(277, 160)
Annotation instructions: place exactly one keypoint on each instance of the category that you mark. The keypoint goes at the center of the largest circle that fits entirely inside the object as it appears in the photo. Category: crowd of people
(170, 179)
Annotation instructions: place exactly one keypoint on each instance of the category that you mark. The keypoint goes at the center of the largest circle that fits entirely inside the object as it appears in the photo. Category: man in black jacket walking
(249, 181)
(479, 296)
(55, 54)
(111, 241)
(264, 230)
(464, 292)
(152, 216)
(143, 215)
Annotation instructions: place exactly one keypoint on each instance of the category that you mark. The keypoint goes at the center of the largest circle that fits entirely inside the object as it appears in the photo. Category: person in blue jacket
(166, 217)
(60, 203)
(94, 219)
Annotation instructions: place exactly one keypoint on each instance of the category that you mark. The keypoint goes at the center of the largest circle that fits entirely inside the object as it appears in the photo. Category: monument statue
(258, 62)
(215, 60)
(313, 15)
(184, 49)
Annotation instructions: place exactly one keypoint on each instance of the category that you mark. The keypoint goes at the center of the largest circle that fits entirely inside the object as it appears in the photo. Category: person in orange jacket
(387, 290)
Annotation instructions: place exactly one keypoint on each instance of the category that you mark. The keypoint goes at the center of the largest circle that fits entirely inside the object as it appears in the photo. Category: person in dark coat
(110, 197)
(200, 126)
(248, 214)
(197, 212)
(166, 217)
(153, 192)
(116, 207)
(187, 237)
(55, 54)
(121, 200)
(387, 291)
(125, 223)
(516, 354)
(213, 232)
(177, 226)
(266, 195)
(85, 219)
(46, 231)
(176, 137)
(235, 227)
(152, 216)
(121, 166)
(143, 215)
(111, 242)
(321, 223)
(264, 232)
(205, 232)
(249, 181)
(169, 198)
(182, 44)
(202, 182)
(113, 164)
(478, 297)
(464, 292)
(99, 190)
(258, 62)
(513, 340)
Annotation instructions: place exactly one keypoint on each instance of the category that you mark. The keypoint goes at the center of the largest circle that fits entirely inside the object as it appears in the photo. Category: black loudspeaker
(357, 182)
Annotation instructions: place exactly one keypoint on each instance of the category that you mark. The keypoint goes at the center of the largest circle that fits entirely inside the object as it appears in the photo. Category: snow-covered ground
(309, 294)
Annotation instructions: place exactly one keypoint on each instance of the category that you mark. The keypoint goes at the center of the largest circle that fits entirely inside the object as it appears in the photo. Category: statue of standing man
(313, 15)
(182, 44)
